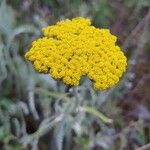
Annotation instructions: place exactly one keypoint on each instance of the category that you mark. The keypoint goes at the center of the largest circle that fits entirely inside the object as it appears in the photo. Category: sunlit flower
(74, 48)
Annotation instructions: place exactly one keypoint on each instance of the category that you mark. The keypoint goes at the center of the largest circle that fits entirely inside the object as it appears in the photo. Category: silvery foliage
(62, 114)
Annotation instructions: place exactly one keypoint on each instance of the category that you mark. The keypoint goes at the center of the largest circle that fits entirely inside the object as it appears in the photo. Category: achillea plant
(74, 48)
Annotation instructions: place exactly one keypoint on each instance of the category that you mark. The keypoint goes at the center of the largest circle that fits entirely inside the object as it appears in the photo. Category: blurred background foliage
(37, 112)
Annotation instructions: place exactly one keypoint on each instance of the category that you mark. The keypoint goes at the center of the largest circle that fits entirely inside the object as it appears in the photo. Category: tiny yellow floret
(74, 48)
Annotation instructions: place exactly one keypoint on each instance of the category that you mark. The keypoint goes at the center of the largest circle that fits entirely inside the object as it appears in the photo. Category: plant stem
(145, 147)
(41, 131)
(94, 112)
(77, 97)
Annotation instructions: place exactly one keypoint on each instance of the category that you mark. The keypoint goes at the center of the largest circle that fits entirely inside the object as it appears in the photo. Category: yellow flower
(73, 48)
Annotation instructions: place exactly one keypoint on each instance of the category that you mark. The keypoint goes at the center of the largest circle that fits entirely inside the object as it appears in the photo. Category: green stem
(93, 111)
(77, 97)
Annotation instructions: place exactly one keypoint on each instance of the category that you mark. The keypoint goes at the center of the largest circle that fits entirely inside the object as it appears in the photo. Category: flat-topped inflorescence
(74, 48)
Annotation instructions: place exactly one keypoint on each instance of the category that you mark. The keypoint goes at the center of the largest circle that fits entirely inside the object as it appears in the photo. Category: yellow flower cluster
(74, 48)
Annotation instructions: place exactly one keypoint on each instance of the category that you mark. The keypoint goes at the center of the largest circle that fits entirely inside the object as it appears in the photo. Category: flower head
(74, 48)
